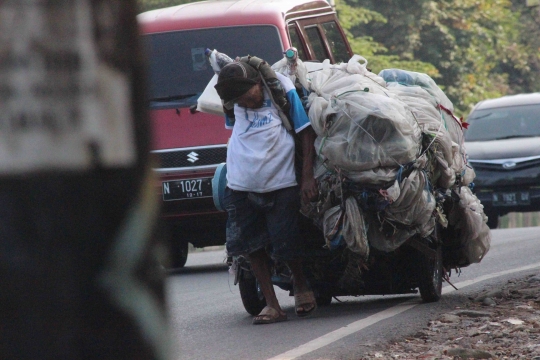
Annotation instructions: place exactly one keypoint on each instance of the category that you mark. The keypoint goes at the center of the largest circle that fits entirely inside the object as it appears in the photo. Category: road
(208, 320)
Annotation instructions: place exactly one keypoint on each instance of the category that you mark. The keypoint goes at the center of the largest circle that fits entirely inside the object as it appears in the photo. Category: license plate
(511, 198)
(187, 189)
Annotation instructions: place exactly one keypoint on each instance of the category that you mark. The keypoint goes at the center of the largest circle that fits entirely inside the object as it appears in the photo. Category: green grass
(517, 220)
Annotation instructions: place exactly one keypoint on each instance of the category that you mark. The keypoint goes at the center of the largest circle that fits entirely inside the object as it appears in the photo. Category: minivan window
(336, 42)
(297, 43)
(178, 66)
(503, 123)
(317, 43)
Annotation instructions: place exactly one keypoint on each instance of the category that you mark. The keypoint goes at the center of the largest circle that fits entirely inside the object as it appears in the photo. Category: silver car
(503, 144)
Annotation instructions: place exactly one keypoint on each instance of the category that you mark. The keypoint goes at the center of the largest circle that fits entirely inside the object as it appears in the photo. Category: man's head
(240, 83)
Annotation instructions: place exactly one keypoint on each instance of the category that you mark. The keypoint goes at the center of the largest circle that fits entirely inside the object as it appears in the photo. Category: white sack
(354, 228)
(209, 101)
(368, 131)
(470, 222)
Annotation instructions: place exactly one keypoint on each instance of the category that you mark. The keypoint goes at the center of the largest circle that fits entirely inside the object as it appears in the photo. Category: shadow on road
(198, 269)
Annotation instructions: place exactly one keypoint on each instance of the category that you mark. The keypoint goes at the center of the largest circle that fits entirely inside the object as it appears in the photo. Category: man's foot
(269, 315)
(304, 303)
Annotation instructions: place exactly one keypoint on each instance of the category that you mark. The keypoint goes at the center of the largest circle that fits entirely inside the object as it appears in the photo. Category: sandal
(269, 315)
(304, 300)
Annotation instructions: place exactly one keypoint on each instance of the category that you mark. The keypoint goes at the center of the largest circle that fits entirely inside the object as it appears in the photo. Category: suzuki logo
(193, 156)
(509, 164)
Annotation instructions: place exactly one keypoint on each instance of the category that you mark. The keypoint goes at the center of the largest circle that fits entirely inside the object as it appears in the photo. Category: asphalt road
(208, 320)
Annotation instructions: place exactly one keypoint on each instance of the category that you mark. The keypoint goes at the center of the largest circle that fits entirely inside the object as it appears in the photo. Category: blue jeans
(264, 221)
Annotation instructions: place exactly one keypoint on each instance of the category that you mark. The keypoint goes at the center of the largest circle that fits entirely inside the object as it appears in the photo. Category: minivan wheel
(179, 254)
(493, 219)
(251, 294)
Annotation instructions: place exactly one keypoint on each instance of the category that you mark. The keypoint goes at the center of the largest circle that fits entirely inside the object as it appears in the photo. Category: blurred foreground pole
(78, 276)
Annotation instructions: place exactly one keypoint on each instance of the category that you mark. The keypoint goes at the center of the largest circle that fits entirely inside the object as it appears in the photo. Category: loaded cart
(395, 212)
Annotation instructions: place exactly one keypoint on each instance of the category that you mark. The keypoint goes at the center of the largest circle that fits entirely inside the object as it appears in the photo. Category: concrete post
(78, 272)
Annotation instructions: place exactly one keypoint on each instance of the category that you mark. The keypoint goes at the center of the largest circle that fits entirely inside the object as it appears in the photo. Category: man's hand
(309, 189)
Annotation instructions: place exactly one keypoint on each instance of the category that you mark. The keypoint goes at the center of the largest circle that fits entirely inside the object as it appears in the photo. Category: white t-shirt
(260, 154)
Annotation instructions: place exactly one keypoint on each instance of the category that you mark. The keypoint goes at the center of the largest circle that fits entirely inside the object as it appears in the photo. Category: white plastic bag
(470, 222)
(209, 101)
(354, 228)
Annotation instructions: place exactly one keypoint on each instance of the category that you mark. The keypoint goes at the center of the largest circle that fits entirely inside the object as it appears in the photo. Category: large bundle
(390, 152)
(433, 110)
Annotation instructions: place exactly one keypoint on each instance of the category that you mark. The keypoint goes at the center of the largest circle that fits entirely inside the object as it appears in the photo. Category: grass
(517, 220)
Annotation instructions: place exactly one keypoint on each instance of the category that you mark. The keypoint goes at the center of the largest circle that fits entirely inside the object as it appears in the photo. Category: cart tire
(430, 276)
(251, 294)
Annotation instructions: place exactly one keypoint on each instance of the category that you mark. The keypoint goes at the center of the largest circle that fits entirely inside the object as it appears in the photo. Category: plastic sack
(367, 131)
(377, 177)
(209, 101)
(469, 176)
(332, 226)
(425, 109)
(415, 205)
(300, 73)
(329, 190)
(387, 240)
(413, 78)
(355, 229)
(469, 220)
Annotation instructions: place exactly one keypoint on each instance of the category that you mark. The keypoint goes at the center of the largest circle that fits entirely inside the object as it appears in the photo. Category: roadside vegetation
(474, 49)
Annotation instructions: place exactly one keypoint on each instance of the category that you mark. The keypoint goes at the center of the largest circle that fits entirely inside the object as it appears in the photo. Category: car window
(297, 43)
(504, 123)
(178, 66)
(336, 42)
(317, 43)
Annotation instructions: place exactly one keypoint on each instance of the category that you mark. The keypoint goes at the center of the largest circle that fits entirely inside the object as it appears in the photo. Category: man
(262, 196)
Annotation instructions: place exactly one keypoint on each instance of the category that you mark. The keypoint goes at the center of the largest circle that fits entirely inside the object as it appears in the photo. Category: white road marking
(382, 315)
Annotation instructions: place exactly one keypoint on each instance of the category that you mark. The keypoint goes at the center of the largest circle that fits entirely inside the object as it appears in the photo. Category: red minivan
(189, 144)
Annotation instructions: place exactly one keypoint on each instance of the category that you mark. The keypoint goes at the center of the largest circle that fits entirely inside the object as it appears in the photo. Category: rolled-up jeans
(264, 220)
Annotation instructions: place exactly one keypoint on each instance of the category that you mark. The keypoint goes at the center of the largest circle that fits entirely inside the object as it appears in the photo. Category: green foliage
(526, 78)
(351, 17)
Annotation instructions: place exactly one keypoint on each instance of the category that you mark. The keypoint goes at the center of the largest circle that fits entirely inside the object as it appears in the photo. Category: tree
(526, 78)
(353, 18)
(472, 43)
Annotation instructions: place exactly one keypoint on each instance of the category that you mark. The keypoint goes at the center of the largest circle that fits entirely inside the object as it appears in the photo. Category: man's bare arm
(308, 184)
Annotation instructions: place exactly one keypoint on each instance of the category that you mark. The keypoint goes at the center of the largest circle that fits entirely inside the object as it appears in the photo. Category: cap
(235, 80)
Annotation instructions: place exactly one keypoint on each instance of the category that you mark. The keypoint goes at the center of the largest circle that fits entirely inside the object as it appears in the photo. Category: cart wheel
(250, 292)
(430, 276)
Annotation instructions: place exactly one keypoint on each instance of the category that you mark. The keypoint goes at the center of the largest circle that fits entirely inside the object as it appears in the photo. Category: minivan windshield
(504, 123)
(178, 65)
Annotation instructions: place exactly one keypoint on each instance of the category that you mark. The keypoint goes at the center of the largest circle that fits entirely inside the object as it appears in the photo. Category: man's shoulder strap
(274, 87)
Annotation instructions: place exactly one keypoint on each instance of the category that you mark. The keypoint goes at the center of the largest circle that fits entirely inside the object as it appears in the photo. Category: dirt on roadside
(499, 323)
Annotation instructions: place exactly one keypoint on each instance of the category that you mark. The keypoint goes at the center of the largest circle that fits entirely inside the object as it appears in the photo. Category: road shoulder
(501, 322)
